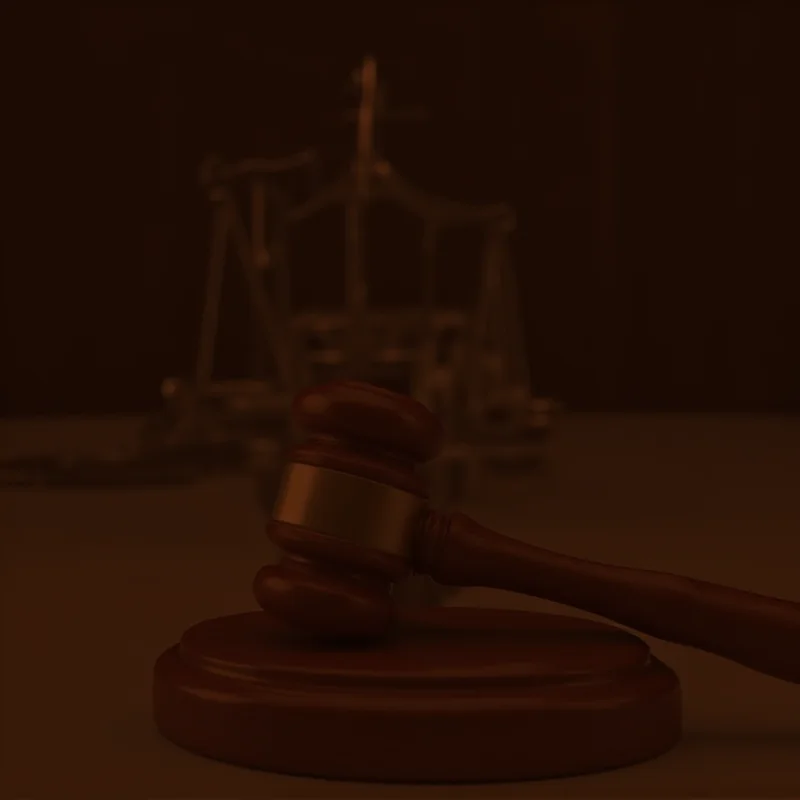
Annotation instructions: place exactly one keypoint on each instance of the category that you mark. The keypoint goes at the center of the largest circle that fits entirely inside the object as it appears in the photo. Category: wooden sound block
(456, 695)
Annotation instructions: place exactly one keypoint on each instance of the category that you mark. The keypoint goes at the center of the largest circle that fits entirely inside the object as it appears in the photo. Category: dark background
(650, 149)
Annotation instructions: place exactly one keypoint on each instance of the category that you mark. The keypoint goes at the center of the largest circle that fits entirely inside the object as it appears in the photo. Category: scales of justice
(465, 361)
(333, 676)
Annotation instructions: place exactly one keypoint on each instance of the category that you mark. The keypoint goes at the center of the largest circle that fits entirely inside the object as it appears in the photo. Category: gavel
(352, 519)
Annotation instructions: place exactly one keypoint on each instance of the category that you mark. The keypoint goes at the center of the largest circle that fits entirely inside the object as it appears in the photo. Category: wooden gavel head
(349, 507)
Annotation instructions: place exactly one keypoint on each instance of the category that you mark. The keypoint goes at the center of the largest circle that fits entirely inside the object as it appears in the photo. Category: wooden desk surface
(96, 584)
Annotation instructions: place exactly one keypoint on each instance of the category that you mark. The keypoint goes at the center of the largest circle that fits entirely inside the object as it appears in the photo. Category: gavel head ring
(350, 504)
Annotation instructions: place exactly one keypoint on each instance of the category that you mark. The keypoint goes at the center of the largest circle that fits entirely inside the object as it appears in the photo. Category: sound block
(456, 695)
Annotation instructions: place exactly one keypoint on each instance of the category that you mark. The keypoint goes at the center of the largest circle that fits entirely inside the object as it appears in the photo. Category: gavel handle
(762, 633)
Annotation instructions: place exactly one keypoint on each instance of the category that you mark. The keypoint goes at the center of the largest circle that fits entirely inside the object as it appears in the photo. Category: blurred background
(650, 150)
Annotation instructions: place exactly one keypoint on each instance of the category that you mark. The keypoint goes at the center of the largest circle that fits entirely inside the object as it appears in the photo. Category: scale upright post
(356, 297)
(366, 163)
